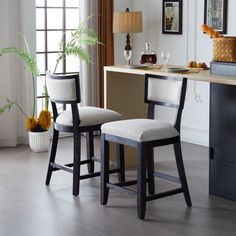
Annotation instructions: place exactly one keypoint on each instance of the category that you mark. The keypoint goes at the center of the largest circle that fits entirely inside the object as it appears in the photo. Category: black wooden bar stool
(65, 89)
(145, 134)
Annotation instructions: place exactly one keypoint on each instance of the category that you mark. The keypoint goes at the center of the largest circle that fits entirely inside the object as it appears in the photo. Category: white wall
(191, 45)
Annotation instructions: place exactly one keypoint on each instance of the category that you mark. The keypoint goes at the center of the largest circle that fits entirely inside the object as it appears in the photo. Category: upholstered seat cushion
(89, 116)
(140, 130)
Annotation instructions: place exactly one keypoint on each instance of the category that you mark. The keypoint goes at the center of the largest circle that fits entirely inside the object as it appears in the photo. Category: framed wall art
(172, 17)
(215, 15)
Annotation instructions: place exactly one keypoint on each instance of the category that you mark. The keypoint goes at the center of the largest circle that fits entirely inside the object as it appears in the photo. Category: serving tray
(177, 69)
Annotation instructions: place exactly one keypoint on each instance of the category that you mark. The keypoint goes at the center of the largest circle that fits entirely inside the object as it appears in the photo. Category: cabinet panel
(223, 141)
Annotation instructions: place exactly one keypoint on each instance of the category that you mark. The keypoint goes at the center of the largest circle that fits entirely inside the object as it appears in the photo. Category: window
(54, 19)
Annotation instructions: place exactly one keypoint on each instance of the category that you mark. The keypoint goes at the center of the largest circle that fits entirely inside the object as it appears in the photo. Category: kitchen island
(124, 92)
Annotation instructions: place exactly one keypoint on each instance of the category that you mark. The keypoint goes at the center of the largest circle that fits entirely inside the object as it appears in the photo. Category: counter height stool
(65, 89)
(145, 134)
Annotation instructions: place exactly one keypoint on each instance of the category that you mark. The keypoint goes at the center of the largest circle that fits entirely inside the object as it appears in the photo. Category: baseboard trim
(195, 135)
(14, 142)
(188, 134)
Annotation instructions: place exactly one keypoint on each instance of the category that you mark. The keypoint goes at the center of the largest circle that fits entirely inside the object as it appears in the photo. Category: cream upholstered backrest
(163, 90)
(63, 88)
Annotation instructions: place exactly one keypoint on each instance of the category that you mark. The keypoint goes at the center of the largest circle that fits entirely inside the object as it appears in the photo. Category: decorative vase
(39, 141)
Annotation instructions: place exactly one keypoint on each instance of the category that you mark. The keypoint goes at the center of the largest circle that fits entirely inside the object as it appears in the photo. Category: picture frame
(172, 12)
(215, 15)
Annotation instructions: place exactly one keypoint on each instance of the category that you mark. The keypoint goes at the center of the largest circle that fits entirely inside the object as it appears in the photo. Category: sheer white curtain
(16, 16)
(89, 72)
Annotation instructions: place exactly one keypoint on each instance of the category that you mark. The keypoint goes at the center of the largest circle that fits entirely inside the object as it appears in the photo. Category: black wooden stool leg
(141, 180)
(90, 151)
(120, 162)
(76, 167)
(150, 171)
(52, 155)
(182, 175)
(104, 170)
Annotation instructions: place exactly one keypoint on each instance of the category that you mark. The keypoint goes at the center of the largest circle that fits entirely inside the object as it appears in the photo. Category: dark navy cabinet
(222, 175)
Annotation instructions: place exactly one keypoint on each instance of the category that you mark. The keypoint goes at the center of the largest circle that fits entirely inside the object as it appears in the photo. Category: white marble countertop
(201, 75)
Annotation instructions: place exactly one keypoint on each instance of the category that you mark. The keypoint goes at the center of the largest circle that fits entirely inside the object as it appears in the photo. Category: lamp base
(128, 55)
(128, 45)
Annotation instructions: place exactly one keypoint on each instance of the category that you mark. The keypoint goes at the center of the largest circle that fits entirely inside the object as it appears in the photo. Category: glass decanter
(148, 56)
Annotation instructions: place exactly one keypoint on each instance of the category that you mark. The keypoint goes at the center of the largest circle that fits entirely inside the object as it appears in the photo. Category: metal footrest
(122, 189)
(166, 177)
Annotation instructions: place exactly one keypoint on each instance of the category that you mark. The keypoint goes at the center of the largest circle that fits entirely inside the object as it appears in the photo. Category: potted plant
(37, 126)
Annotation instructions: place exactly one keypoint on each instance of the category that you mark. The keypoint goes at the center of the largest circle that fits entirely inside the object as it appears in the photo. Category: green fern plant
(32, 123)
(81, 38)
(30, 65)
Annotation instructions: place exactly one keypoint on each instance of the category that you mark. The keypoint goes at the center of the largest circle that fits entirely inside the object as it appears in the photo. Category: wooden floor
(29, 208)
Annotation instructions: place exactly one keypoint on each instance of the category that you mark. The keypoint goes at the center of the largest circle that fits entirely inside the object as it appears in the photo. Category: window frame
(46, 51)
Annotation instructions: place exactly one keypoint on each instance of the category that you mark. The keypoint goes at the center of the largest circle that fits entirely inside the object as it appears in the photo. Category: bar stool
(65, 89)
(145, 134)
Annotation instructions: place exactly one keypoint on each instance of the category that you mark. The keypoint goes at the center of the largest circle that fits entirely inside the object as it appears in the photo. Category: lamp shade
(127, 22)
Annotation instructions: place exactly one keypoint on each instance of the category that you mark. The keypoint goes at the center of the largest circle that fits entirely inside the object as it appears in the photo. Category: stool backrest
(165, 91)
(63, 88)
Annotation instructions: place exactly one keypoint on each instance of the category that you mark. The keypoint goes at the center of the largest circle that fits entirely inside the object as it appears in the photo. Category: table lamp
(127, 22)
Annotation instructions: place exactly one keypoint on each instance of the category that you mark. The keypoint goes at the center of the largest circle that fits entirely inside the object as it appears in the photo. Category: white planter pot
(39, 141)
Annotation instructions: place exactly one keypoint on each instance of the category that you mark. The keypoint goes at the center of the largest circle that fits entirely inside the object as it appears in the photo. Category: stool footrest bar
(61, 167)
(70, 170)
(166, 177)
(164, 194)
(128, 183)
(122, 189)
